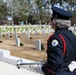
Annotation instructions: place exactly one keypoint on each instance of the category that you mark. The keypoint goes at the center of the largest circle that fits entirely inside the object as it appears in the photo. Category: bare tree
(18, 8)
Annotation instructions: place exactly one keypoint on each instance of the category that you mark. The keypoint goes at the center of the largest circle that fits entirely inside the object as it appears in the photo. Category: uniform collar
(61, 29)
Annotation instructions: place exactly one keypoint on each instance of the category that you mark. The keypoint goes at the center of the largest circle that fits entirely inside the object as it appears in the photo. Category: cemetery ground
(28, 50)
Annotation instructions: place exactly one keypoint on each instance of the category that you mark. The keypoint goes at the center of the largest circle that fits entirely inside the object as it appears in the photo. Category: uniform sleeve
(54, 54)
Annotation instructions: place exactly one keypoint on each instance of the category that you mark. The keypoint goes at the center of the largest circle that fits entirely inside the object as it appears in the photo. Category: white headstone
(4, 28)
(44, 32)
(38, 44)
(28, 35)
(0, 34)
(16, 35)
(18, 42)
(36, 32)
(8, 34)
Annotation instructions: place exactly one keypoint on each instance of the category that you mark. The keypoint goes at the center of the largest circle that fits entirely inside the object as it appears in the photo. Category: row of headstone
(36, 27)
(31, 28)
(28, 33)
(38, 43)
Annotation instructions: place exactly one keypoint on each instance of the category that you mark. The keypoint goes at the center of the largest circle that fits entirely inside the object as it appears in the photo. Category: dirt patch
(28, 50)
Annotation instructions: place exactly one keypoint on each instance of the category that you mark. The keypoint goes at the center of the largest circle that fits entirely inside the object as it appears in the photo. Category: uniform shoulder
(55, 40)
(54, 36)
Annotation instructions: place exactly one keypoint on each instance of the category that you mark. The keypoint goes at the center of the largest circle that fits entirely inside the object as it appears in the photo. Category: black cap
(61, 13)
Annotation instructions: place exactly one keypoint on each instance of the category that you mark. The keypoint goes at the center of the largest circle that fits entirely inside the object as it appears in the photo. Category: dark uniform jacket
(61, 51)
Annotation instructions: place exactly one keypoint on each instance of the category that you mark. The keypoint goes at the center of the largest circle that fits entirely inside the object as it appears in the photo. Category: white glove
(72, 66)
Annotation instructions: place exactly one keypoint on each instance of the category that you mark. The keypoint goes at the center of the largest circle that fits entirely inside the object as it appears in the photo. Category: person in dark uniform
(61, 46)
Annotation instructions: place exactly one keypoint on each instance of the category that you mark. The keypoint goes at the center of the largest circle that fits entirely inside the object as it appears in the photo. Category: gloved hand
(72, 66)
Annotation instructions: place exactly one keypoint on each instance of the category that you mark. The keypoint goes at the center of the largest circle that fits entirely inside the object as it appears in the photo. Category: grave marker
(28, 35)
(38, 44)
(18, 42)
(8, 35)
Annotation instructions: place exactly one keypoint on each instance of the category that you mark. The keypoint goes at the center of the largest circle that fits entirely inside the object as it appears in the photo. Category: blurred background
(16, 12)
